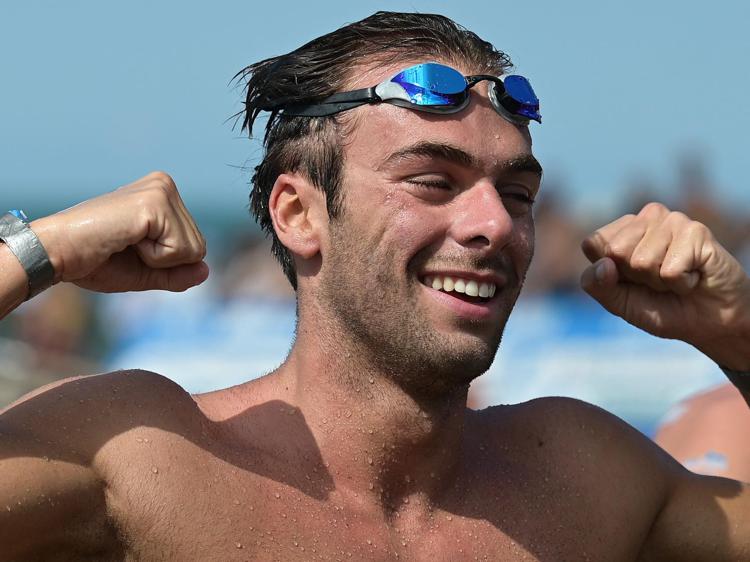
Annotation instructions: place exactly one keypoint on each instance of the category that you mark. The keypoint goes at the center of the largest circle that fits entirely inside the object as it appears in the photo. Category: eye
(430, 182)
(518, 200)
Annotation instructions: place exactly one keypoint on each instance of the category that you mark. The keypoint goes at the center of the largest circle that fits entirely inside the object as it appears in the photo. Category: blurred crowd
(67, 331)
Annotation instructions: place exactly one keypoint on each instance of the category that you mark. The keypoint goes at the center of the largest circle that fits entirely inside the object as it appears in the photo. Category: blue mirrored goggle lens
(518, 88)
(432, 84)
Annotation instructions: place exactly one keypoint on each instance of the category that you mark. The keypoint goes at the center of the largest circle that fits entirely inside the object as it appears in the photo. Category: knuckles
(654, 210)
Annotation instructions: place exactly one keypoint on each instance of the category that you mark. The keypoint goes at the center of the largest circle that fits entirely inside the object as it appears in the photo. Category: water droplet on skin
(348, 414)
(406, 500)
(145, 439)
(450, 518)
(371, 486)
(371, 380)
(155, 470)
(277, 495)
(296, 543)
(238, 545)
(369, 460)
(407, 478)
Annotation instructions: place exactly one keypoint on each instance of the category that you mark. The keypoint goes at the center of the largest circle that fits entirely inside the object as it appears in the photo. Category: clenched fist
(668, 275)
(135, 238)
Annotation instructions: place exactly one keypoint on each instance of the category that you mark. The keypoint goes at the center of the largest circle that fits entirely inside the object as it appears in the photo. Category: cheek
(523, 243)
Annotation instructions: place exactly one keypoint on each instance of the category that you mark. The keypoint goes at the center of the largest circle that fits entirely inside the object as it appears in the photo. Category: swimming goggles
(435, 88)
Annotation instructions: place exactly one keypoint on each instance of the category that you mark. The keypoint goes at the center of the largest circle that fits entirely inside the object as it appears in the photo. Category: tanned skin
(360, 446)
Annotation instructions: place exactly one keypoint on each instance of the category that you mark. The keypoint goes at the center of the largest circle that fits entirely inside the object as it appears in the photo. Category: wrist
(46, 231)
(28, 249)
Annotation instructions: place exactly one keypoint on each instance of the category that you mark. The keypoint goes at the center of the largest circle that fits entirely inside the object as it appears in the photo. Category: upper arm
(48, 498)
(704, 518)
(57, 459)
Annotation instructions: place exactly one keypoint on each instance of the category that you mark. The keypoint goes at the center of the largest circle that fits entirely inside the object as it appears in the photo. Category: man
(406, 229)
(705, 433)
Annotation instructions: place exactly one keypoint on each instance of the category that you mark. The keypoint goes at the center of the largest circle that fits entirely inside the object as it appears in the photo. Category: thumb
(175, 279)
(601, 280)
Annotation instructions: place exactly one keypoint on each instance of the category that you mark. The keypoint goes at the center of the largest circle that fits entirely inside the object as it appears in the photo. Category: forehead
(375, 131)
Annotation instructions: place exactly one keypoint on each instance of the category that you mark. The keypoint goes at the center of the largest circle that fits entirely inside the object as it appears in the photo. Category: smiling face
(423, 266)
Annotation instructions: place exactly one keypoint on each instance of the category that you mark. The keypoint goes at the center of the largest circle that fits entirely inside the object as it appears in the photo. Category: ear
(295, 207)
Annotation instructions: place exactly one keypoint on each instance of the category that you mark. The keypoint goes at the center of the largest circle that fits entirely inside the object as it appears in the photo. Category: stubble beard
(382, 322)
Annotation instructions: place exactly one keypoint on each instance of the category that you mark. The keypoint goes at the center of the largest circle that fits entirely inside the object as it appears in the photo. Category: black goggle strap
(333, 104)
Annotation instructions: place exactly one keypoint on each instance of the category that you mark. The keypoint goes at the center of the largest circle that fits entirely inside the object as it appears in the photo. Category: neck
(378, 441)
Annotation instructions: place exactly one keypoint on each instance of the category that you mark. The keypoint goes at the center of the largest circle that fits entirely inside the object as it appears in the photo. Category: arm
(50, 498)
(667, 275)
(138, 237)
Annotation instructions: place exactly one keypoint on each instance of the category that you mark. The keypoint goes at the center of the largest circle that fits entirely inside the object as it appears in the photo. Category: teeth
(467, 286)
(484, 290)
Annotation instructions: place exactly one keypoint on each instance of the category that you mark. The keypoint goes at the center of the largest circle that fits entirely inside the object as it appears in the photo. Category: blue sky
(96, 94)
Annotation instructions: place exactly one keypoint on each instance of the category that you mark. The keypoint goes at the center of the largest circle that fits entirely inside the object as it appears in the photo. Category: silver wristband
(27, 247)
(740, 379)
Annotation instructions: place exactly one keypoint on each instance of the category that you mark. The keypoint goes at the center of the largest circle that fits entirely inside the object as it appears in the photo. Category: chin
(436, 371)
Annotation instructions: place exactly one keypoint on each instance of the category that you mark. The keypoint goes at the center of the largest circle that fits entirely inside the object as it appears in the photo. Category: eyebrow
(455, 155)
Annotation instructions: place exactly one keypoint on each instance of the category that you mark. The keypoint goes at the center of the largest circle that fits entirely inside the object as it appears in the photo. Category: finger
(595, 245)
(175, 279)
(621, 244)
(634, 303)
(645, 263)
(174, 251)
(680, 268)
(196, 237)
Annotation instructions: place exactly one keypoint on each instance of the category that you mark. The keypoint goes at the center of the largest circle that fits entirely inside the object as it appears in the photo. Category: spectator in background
(250, 271)
(52, 337)
(707, 433)
(558, 261)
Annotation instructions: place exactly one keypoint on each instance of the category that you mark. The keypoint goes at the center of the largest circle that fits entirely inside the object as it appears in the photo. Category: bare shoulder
(78, 414)
(63, 441)
(582, 438)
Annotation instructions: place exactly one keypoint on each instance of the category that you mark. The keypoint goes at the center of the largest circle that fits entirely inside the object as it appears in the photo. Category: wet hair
(313, 146)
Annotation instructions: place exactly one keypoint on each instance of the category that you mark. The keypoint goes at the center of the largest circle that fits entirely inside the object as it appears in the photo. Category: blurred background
(641, 101)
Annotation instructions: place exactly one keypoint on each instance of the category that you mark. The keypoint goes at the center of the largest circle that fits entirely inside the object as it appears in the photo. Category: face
(433, 205)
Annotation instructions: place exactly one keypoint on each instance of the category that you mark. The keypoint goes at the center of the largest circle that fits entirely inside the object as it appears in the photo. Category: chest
(177, 501)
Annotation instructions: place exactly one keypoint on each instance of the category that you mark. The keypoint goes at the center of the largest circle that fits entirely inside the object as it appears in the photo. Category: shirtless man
(359, 446)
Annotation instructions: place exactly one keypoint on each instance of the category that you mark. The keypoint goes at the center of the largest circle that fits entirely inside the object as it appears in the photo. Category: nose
(481, 220)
